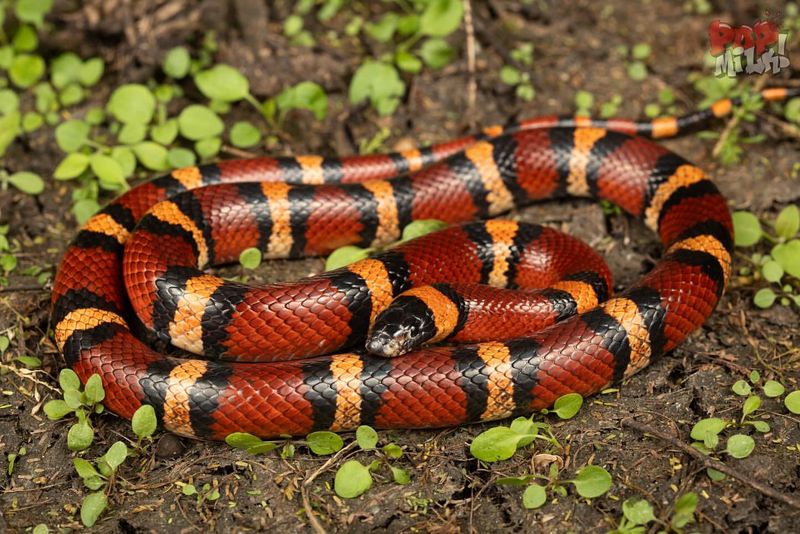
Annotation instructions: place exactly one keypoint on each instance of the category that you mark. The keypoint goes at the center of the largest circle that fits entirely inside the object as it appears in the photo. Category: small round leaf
(740, 446)
(352, 480)
(534, 497)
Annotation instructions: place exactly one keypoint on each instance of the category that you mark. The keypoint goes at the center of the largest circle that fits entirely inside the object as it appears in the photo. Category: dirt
(449, 491)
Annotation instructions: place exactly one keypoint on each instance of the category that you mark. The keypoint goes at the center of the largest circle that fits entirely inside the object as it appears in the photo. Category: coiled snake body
(146, 250)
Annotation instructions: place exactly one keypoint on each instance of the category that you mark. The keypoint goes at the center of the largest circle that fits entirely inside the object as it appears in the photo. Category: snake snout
(396, 333)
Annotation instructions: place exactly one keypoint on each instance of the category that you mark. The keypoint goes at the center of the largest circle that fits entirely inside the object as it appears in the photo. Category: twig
(734, 122)
(238, 152)
(315, 524)
(787, 129)
(21, 289)
(471, 83)
(713, 464)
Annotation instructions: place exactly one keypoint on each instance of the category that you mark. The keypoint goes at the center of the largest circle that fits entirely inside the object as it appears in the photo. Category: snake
(526, 313)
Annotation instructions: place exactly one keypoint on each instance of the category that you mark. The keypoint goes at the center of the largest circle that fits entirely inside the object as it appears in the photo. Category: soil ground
(449, 491)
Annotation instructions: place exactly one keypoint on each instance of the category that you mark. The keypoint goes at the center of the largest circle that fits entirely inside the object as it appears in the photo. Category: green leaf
(592, 481)
(740, 446)
(422, 227)
(366, 437)
(94, 389)
(715, 475)
(514, 481)
(31, 362)
(71, 167)
(707, 430)
(641, 51)
(638, 511)
(764, 298)
(772, 271)
(534, 497)
(792, 110)
(244, 135)
(32, 11)
(180, 157)
(510, 75)
(208, 148)
(126, 159)
(71, 95)
(436, 53)
(64, 69)
(788, 222)
(84, 209)
(91, 71)
(31, 121)
(79, 436)
(393, 451)
(773, 388)
(751, 404)
(222, 82)
(637, 71)
(9, 101)
(383, 30)
(242, 440)
(292, 25)
(379, 83)
(95, 116)
(132, 132)
(151, 155)
(792, 402)
(56, 409)
(496, 444)
(188, 489)
(166, 133)
(407, 61)
(526, 428)
(746, 229)
(352, 479)
(441, 17)
(108, 171)
(92, 506)
(71, 135)
(4, 342)
(304, 95)
(567, 406)
(84, 468)
(9, 128)
(760, 426)
(742, 388)
(144, 421)
(132, 103)
(323, 443)
(25, 40)
(345, 256)
(199, 122)
(41, 528)
(400, 475)
(6, 57)
(177, 62)
(116, 455)
(683, 513)
(27, 182)
(250, 258)
(788, 256)
(67, 379)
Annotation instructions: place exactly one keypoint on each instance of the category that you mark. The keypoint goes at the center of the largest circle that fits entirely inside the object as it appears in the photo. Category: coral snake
(145, 252)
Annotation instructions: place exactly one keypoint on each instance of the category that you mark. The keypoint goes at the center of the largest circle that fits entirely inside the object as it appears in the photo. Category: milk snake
(146, 250)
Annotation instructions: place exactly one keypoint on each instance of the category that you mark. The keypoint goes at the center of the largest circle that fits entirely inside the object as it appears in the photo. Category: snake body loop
(146, 251)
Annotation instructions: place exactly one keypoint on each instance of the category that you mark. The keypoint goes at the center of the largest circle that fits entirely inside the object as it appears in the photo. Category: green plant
(208, 492)
(81, 403)
(513, 76)
(98, 476)
(781, 266)
(352, 478)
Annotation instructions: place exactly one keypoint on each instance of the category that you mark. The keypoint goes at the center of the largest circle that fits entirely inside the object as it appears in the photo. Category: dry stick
(315, 524)
(471, 83)
(709, 462)
(734, 122)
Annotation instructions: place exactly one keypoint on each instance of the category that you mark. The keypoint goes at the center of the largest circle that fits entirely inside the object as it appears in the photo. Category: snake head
(400, 328)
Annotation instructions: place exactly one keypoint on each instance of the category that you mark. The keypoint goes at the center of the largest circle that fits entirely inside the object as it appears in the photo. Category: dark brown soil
(450, 491)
